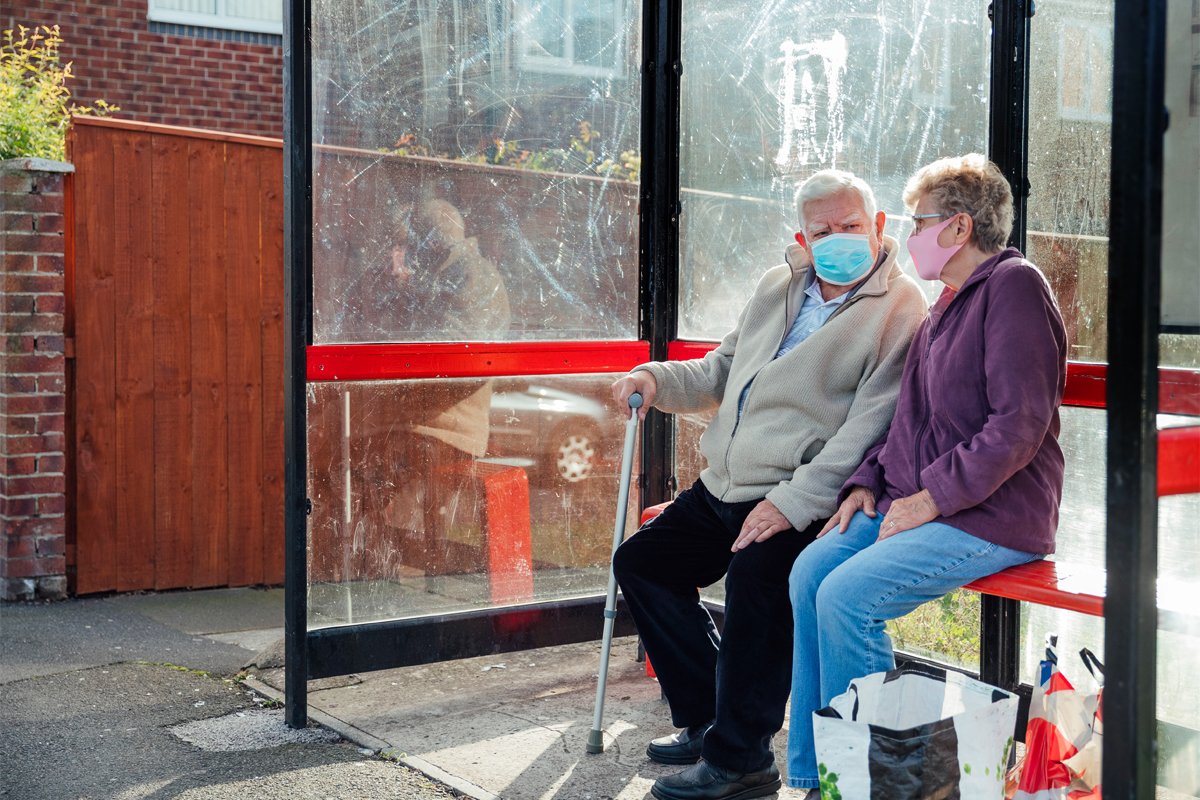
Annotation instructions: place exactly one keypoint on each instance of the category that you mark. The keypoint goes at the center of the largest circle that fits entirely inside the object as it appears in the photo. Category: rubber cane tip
(595, 742)
(635, 400)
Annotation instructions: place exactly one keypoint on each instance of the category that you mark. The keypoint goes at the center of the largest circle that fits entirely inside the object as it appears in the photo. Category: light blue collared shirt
(814, 312)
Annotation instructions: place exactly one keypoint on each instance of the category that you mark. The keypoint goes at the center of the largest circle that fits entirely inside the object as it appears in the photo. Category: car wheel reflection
(574, 454)
(559, 436)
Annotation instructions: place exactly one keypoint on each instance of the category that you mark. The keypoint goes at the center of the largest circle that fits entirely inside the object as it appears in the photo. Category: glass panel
(445, 495)
(1070, 138)
(458, 194)
(1081, 541)
(773, 92)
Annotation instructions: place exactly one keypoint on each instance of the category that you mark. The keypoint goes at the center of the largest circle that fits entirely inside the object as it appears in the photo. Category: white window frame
(1095, 33)
(566, 64)
(219, 20)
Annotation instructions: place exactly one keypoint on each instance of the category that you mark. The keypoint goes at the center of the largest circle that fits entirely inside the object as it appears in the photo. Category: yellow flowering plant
(35, 107)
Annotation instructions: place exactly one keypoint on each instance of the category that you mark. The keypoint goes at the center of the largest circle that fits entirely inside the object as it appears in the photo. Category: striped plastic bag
(1063, 741)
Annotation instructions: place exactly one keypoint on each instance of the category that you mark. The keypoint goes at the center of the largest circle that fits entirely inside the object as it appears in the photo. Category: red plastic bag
(1063, 742)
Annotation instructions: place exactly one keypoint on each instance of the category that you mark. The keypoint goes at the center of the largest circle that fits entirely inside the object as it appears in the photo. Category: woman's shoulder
(1015, 272)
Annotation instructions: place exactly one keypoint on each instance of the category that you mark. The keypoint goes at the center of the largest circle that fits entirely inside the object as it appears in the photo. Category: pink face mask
(928, 256)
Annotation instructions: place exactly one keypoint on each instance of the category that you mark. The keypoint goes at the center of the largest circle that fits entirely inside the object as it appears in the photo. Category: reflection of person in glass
(967, 479)
(802, 386)
(448, 291)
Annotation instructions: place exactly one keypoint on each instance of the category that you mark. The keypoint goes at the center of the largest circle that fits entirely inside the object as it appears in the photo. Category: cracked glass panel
(432, 496)
(774, 91)
(475, 170)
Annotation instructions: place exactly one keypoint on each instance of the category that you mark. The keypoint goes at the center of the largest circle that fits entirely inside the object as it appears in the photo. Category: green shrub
(35, 107)
(946, 629)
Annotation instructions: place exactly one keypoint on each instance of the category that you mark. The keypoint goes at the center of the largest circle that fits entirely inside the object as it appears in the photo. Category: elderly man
(804, 384)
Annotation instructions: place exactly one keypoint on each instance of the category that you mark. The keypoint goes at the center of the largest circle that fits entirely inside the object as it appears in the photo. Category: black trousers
(740, 678)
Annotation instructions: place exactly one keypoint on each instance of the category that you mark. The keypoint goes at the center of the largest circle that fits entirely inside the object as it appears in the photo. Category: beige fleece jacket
(810, 415)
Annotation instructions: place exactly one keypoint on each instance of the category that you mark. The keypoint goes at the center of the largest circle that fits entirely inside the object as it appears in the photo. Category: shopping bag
(1063, 740)
(915, 734)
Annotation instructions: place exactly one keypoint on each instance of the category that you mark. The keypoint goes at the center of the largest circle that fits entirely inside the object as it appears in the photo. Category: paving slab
(45, 638)
(208, 611)
(513, 725)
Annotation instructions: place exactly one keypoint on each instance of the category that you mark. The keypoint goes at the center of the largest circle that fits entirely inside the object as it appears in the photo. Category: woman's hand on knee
(908, 513)
(860, 499)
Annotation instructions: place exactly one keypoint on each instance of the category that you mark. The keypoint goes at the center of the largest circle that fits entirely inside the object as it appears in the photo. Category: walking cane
(595, 742)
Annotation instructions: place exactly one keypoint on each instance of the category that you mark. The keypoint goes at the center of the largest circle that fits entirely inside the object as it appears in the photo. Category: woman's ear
(963, 225)
(800, 240)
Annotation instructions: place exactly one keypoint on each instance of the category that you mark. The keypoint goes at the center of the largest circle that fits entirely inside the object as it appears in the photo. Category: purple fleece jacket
(977, 418)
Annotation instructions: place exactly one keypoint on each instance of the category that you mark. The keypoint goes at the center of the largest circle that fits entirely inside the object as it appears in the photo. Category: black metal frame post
(1134, 298)
(297, 310)
(1008, 106)
(1008, 146)
(658, 248)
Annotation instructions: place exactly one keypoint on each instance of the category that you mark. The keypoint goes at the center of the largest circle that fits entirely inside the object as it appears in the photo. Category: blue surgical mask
(842, 258)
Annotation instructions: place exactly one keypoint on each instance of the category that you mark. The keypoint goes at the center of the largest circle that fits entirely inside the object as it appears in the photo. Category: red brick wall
(32, 382)
(155, 77)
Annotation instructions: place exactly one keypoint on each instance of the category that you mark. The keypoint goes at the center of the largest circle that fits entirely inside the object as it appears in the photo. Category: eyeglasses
(917, 219)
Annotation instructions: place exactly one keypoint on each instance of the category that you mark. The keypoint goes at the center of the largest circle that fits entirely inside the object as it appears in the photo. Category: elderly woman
(967, 480)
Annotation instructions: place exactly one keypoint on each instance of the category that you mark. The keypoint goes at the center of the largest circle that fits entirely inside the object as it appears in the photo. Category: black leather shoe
(706, 781)
(679, 748)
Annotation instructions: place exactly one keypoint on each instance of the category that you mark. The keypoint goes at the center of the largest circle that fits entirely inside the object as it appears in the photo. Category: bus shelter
(495, 208)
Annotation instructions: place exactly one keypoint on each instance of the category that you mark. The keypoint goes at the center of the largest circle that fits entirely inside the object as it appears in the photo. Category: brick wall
(156, 76)
(32, 371)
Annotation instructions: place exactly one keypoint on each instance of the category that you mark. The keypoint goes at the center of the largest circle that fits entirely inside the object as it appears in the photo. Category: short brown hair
(971, 185)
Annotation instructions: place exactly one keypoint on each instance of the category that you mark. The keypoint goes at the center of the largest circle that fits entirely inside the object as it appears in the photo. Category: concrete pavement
(101, 698)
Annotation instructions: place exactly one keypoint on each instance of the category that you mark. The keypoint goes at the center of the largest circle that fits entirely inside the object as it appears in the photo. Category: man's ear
(880, 221)
(800, 240)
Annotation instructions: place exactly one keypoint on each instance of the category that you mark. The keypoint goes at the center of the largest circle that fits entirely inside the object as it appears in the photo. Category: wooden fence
(175, 306)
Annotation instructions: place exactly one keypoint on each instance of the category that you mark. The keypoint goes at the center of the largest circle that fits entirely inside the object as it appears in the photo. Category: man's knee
(628, 561)
(747, 571)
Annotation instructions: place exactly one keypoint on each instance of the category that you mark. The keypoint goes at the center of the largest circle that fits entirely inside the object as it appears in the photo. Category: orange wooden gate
(175, 305)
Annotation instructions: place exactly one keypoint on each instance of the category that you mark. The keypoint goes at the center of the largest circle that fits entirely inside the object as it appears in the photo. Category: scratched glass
(1081, 541)
(416, 512)
(1070, 146)
(475, 170)
(772, 92)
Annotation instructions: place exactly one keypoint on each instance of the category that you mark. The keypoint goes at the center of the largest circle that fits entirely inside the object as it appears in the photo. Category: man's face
(401, 270)
(841, 212)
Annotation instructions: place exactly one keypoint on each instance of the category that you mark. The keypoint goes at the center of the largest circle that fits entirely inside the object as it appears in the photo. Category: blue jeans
(844, 587)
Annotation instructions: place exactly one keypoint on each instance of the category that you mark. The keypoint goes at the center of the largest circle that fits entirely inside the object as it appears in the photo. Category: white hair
(829, 182)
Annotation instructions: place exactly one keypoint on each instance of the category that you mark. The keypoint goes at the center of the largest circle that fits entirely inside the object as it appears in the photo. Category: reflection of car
(558, 433)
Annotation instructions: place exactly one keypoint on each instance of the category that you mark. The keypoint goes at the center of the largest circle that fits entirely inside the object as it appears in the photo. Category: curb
(378, 746)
